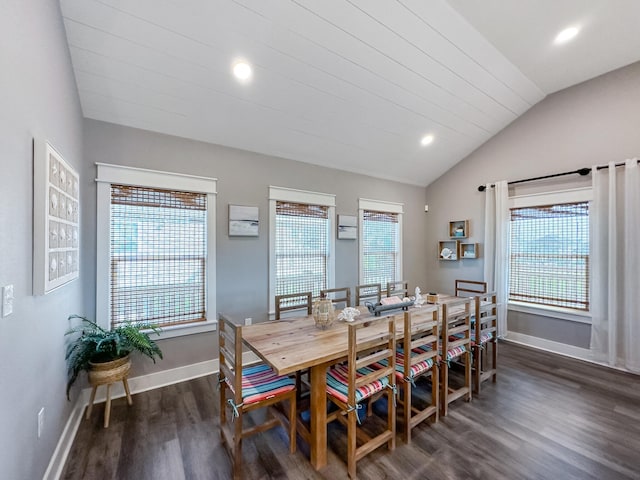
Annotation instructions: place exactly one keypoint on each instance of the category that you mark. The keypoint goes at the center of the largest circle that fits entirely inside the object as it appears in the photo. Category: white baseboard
(549, 346)
(136, 385)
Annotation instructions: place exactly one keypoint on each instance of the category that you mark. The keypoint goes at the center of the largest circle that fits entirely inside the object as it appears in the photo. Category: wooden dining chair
(339, 296)
(363, 377)
(484, 339)
(371, 292)
(244, 389)
(455, 345)
(421, 340)
(398, 289)
(293, 301)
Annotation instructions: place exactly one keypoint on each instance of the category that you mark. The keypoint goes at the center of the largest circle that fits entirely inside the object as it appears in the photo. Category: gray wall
(588, 124)
(243, 179)
(38, 98)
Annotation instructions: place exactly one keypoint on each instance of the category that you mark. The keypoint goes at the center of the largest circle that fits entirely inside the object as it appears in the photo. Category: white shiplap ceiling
(350, 84)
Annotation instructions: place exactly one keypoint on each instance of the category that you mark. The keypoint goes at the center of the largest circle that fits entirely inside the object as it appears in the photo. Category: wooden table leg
(318, 440)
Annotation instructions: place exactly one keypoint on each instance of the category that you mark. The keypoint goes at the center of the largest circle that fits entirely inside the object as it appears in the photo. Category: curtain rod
(581, 171)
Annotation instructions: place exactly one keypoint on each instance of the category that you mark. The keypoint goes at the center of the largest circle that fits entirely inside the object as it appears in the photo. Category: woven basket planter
(109, 372)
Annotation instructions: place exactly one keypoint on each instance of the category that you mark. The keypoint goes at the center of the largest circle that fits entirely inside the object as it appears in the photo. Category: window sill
(552, 312)
(182, 330)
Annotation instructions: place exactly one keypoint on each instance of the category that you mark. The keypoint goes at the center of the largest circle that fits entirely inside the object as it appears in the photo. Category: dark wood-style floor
(548, 417)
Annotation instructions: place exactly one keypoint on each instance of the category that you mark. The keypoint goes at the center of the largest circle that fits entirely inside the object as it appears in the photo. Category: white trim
(139, 384)
(155, 178)
(380, 205)
(551, 312)
(552, 198)
(284, 194)
(108, 174)
(549, 346)
(60, 454)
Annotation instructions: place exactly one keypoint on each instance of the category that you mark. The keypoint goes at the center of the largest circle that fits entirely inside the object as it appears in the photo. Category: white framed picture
(243, 221)
(56, 220)
(347, 227)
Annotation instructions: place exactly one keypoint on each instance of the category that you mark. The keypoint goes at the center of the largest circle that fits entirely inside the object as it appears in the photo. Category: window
(549, 255)
(302, 237)
(156, 249)
(380, 242)
(158, 256)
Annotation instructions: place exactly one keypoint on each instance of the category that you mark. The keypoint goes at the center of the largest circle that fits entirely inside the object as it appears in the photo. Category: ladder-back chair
(456, 344)
(368, 372)
(243, 389)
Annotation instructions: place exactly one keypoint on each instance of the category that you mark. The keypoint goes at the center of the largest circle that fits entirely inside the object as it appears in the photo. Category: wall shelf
(469, 250)
(459, 229)
(449, 250)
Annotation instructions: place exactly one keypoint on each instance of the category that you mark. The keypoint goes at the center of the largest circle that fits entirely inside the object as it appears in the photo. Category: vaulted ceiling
(349, 84)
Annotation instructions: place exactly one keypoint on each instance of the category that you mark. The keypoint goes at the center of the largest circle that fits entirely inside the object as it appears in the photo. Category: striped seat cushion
(416, 369)
(260, 382)
(337, 383)
(484, 337)
(455, 352)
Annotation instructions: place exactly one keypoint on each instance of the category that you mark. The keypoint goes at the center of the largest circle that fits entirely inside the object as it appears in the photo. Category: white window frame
(140, 177)
(379, 206)
(283, 194)
(553, 198)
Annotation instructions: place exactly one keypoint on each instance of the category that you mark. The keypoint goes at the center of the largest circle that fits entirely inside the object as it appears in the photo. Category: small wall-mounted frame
(347, 227)
(449, 250)
(56, 217)
(243, 221)
(469, 250)
(459, 229)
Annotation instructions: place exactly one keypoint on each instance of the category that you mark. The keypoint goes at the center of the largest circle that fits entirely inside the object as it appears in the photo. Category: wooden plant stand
(106, 374)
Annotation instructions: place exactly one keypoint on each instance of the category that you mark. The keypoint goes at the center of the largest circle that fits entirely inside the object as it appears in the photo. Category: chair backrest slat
(337, 295)
(293, 301)
(469, 288)
(371, 292)
(230, 347)
(398, 289)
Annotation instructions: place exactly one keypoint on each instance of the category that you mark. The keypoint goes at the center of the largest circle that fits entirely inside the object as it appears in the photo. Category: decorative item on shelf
(459, 232)
(323, 313)
(446, 253)
(432, 297)
(348, 314)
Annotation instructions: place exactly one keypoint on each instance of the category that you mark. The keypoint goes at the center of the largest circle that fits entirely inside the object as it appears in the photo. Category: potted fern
(104, 354)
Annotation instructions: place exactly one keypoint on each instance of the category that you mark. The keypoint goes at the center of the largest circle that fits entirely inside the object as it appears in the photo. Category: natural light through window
(549, 262)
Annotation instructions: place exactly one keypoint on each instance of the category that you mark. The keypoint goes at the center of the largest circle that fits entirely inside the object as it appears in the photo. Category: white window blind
(158, 248)
(549, 263)
(380, 247)
(301, 248)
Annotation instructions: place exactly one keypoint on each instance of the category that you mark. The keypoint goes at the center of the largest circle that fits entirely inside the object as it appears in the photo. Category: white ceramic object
(348, 314)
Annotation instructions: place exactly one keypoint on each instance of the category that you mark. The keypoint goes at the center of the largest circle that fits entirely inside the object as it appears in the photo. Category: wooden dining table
(293, 344)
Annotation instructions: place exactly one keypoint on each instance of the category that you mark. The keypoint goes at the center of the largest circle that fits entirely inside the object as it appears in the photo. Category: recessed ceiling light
(242, 71)
(565, 35)
(426, 140)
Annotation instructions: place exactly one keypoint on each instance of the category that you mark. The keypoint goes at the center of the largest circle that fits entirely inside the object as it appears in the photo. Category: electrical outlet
(248, 321)
(40, 422)
(7, 300)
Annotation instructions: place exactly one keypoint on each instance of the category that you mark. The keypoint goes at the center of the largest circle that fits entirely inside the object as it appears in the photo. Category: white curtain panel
(496, 241)
(615, 266)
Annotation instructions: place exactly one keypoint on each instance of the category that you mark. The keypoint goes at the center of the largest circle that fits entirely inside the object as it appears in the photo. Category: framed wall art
(347, 227)
(243, 221)
(56, 220)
